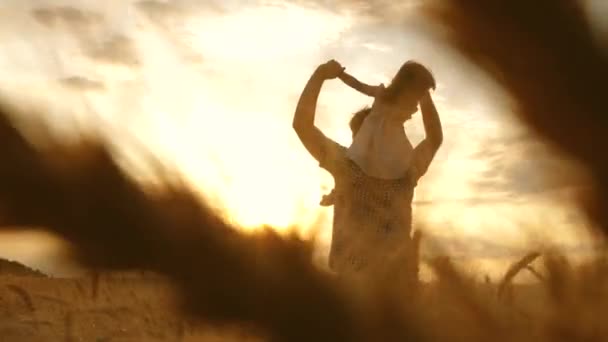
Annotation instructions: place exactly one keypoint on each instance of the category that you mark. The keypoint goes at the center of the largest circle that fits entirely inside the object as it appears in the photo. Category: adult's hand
(330, 70)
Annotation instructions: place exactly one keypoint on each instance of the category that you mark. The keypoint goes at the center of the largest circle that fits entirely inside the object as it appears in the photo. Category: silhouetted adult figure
(372, 215)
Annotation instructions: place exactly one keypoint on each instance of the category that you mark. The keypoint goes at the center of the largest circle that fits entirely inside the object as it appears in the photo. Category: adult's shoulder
(333, 157)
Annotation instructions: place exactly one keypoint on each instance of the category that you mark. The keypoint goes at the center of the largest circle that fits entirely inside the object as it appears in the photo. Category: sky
(210, 87)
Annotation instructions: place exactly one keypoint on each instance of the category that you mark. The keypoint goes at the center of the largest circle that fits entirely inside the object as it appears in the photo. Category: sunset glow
(212, 93)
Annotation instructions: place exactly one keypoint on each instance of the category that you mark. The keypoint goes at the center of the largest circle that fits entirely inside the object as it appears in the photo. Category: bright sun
(260, 176)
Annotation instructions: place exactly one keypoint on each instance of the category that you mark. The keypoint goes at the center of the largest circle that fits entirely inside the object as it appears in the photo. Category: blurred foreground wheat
(541, 52)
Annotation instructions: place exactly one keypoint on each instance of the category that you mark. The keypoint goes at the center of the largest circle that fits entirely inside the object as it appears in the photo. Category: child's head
(355, 124)
(357, 120)
(408, 86)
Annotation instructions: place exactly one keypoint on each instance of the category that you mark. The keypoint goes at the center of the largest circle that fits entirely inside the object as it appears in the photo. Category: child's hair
(410, 73)
(355, 124)
(357, 120)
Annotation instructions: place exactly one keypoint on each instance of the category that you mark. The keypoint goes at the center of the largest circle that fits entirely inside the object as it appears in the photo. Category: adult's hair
(411, 74)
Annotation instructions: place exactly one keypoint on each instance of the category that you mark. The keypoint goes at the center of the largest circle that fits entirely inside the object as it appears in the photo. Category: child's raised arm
(361, 87)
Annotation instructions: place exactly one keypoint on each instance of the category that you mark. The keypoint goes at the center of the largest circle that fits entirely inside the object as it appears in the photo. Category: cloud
(118, 49)
(77, 18)
(471, 201)
(165, 17)
(521, 165)
(377, 47)
(474, 247)
(158, 10)
(387, 10)
(82, 83)
(97, 39)
(468, 247)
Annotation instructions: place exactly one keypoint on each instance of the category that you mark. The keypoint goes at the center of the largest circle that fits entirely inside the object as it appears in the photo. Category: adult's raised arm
(304, 118)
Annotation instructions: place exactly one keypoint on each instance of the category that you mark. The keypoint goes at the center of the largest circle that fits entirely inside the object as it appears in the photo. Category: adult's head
(408, 86)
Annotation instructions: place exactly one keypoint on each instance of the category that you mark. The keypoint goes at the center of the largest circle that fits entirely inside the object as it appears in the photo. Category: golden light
(225, 120)
(264, 33)
(246, 157)
(248, 163)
